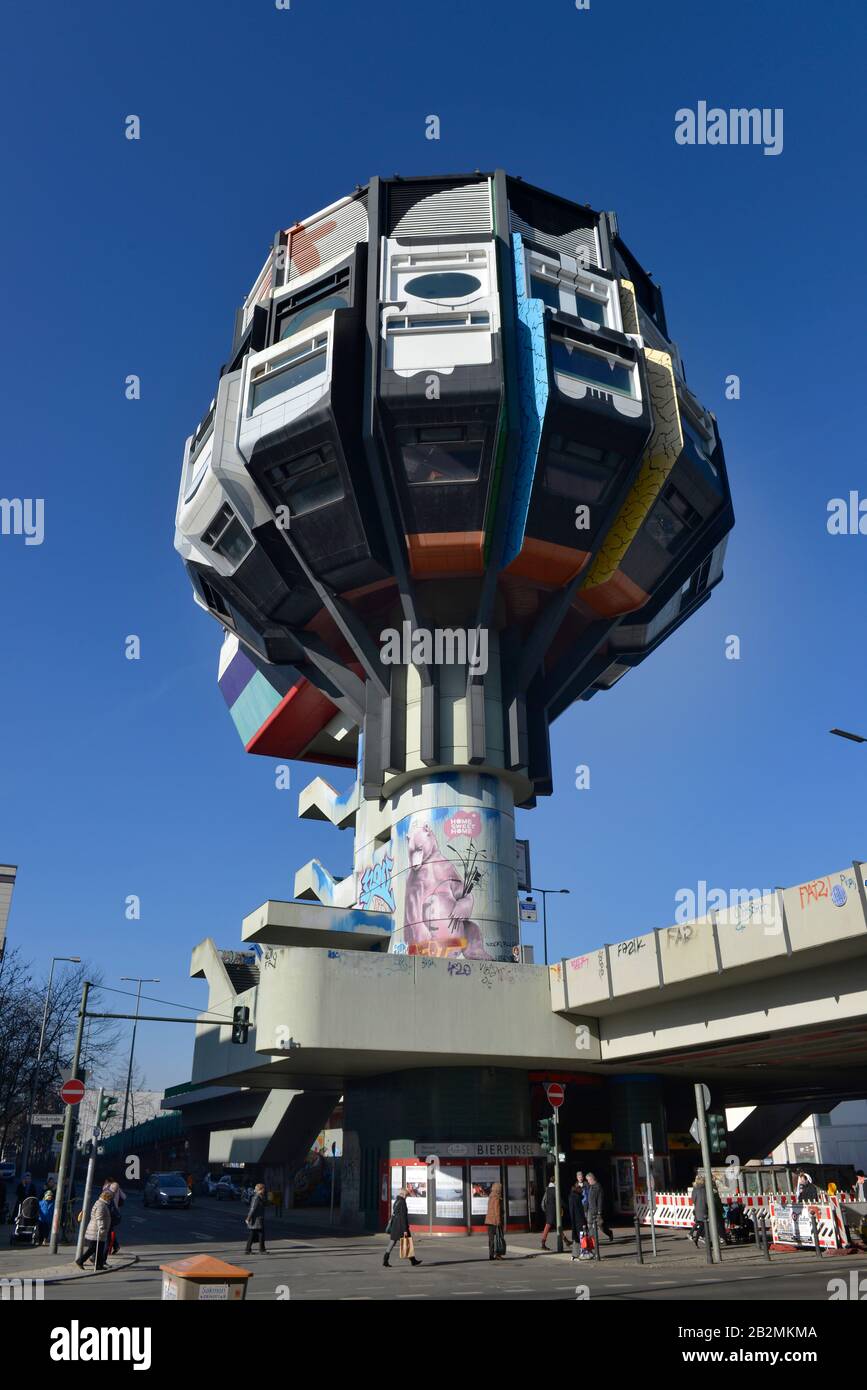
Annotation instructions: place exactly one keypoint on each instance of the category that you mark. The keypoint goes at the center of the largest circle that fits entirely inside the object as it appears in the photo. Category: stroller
(25, 1224)
(739, 1230)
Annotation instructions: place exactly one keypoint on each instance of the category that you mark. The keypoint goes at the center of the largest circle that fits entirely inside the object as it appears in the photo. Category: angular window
(590, 309)
(226, 536)
(594, 368)
(312, 304)
(448, 454)
(672, 520)
(289, 370)
(214, 601)
(308, 482)
(578, 472)
(546, 290)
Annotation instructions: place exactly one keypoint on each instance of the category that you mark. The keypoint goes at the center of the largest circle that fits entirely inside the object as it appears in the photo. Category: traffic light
(716, 1132)
(546, 1136)
(240, 1023)
(107, 1107)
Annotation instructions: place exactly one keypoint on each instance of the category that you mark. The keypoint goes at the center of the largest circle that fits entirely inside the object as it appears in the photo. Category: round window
(445, 284)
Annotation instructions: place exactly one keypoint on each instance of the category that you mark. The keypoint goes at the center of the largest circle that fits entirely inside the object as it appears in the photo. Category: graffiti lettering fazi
(376, 893)
(812, 892)
(631, 948)
(459, 967)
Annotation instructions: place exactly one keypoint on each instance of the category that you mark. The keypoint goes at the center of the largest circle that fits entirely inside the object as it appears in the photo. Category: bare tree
(22, 1000)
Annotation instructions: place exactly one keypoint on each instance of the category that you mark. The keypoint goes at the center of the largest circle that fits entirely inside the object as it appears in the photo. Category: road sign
(57, 1141)
(706, 1094)
(695, 1131)
(528, 910)
(72, 1092)
(48, 1121)
(522, 861)
(555, 1093)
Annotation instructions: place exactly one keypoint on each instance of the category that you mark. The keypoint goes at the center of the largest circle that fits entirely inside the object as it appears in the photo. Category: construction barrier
(675, 1208)
(788, 1220)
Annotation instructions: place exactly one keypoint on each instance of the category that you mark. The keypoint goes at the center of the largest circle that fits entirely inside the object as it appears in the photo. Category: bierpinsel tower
(452, 480)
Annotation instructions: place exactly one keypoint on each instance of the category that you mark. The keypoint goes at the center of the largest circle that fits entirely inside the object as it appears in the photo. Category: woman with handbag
(399, 1232)
(494, 1223)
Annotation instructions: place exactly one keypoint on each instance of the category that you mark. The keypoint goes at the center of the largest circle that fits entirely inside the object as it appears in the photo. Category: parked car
(167, 1190)
(7, 1170)
(227, 1190)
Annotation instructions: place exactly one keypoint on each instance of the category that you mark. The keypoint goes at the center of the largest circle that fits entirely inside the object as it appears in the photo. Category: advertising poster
(516, 1191)
(454, 875)
(482, 1178)
(450, 1193)
(416, 1190)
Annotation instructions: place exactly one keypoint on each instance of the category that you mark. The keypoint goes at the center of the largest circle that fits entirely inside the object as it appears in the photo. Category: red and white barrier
(789, 1220)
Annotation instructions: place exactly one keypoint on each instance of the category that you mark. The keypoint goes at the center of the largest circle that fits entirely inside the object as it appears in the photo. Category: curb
(53, 1275)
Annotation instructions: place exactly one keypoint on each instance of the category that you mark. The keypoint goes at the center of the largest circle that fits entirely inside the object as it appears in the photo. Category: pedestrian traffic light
(716, 1132)
(107, 1107)
(240, 1024)
(546, 1136)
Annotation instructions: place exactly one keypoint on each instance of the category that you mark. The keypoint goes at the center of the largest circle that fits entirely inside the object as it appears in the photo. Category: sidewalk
(54, 1269)
(674, 1251)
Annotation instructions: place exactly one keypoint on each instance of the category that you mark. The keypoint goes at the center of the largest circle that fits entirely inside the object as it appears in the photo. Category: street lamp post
(76, 960)
(140, 982)
(844, 733)
(545, 892)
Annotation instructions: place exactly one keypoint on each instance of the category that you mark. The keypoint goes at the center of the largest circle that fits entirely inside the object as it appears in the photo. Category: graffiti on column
(375, 889)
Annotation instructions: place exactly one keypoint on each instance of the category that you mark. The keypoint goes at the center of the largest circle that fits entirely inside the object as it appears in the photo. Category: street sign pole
(647, 1145)
(557, 1180)
(67, 1126)
(88, 1184)
(713, 1227)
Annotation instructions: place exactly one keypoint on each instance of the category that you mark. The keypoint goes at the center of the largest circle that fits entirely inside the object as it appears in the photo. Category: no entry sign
(72, 1092)
(555, 1094)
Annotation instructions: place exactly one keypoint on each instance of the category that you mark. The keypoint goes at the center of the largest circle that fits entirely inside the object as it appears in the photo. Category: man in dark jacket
(26, 1188)
(255, 1219)
(398, 1227)
(596, 1218)
(700, 1209)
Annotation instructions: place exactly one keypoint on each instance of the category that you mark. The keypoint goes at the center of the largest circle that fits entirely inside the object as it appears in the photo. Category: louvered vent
(553, 224)
(439, 209)
(579, 242)
(335, 234)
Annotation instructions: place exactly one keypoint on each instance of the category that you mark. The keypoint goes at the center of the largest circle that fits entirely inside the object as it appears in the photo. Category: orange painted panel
(547, 563)
(442, 554)
(614, 596)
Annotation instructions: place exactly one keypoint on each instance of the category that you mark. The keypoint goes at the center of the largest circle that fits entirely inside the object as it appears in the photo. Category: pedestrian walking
(117, 1197)
(255, 1219)
(578, 1218)
(399, 1232)
(26, 1188)
(860, 1189)
(596, 1218)
(46, 1215)
(494, 1223)
(700, 1205)
(96, 1233)
(549, 1211)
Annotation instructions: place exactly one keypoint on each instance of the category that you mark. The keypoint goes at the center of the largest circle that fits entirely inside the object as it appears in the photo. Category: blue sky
(123, 777)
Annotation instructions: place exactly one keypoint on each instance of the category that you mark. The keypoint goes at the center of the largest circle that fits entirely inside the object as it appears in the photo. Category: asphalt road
(331, 1267)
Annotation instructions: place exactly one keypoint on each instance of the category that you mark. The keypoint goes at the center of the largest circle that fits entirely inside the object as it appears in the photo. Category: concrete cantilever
(302, 924)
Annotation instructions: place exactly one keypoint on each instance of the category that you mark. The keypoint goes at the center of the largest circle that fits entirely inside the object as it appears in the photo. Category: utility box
(203, 1279)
